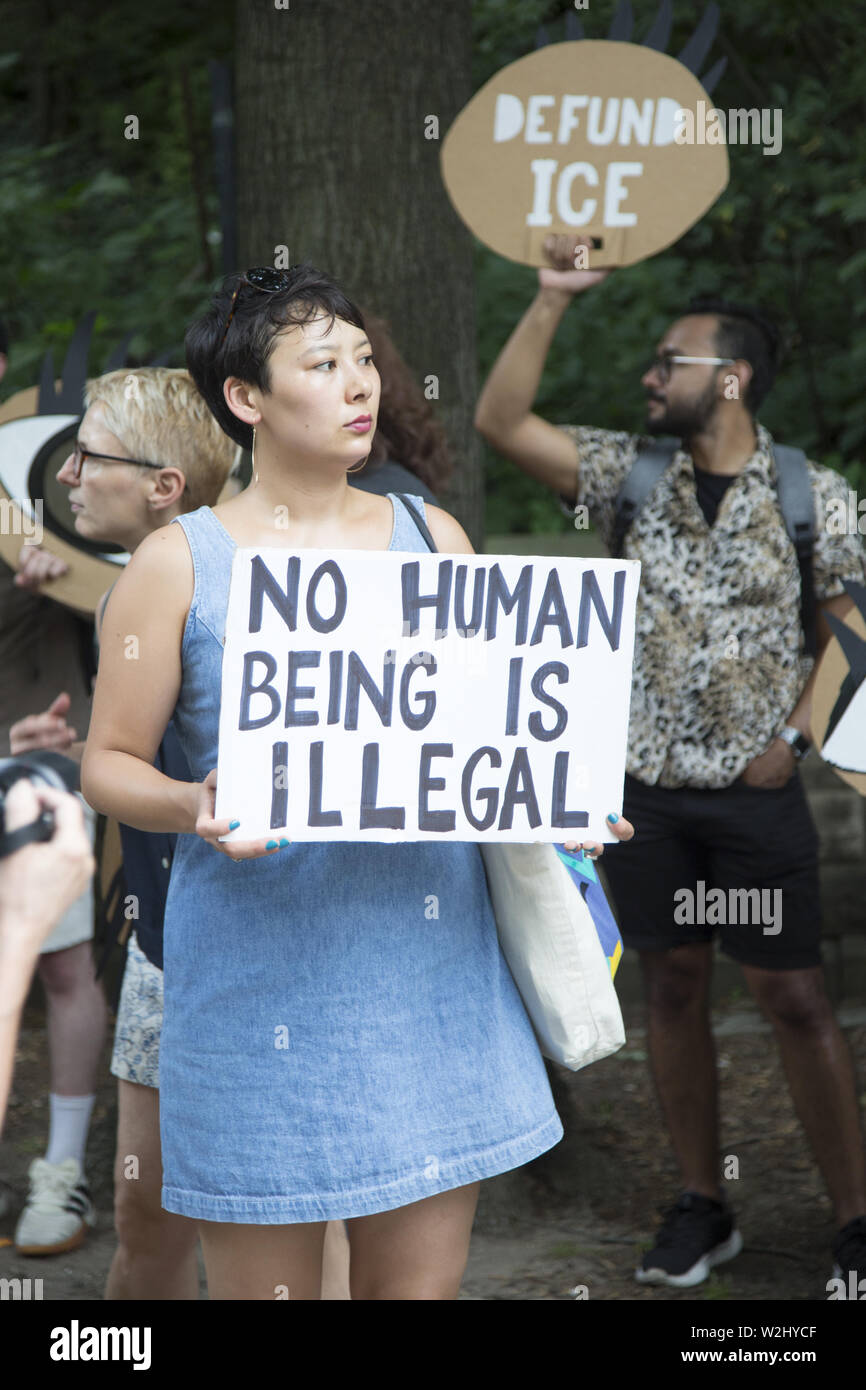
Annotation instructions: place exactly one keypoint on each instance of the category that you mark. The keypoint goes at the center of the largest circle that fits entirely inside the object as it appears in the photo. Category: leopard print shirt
(719, 663)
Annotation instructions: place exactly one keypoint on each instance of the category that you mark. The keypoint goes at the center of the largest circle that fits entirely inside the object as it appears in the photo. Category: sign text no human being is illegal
(378, 696)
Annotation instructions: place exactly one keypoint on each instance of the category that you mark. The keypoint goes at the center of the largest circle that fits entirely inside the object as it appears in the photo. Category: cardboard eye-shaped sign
(34, 506)
(839, 698)
(584, 137)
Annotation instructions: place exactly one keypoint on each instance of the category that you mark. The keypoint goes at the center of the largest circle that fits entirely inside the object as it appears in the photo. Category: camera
(42, 769)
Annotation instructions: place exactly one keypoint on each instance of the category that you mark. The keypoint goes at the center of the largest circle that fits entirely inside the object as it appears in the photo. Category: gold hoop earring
(362, 464)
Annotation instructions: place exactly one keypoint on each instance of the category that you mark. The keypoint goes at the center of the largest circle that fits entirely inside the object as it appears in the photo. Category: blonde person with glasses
(148, 450)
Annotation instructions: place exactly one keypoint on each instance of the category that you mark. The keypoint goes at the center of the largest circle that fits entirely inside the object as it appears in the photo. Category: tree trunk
(332, 105)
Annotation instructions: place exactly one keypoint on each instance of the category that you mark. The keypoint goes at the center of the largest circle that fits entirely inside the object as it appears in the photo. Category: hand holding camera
(45, 854)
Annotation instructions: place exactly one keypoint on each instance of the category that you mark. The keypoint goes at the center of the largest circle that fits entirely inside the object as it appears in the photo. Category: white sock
(70, 1121)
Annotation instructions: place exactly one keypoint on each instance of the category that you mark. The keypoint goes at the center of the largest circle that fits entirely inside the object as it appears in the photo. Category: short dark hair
(746, 332)
(259, 317)
(4, 338)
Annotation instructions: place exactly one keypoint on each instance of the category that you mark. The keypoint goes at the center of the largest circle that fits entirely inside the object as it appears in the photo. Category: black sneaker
(696, 1234)
(849, 1252)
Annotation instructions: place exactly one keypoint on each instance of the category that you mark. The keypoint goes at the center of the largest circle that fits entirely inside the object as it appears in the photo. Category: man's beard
(686, 420)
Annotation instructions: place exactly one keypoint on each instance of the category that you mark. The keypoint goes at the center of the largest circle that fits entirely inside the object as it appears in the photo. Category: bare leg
(335, 1270)
(683, 1059)
(263, 1262)
(414, 1252)
(418, 1251)
(821, 1078)
(77, 1016)
(156, 1253)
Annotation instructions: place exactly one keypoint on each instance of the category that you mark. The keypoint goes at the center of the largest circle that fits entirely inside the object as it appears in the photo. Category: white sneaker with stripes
(58, 1210)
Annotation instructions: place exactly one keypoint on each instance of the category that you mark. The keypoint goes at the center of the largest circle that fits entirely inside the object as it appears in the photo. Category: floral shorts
(139, 1020)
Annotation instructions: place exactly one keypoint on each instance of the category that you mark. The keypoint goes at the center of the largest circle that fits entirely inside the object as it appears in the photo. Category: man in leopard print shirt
(720, 712)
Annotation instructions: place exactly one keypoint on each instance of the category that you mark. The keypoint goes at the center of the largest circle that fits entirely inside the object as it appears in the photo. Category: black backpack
(795, 501)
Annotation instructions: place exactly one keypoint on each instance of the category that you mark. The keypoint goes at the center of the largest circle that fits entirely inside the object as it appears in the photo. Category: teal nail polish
(283, 843)
(613, 817)
(234, 825)
(272, 844)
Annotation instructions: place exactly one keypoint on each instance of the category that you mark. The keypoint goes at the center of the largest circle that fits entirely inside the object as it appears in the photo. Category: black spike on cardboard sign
(45, 405)
(117, 358)
(659, 32)
(573, 27)
(857, 593)
(622, 23)
(69, 399)
(852, 644)
(854, 650)
(74, 372)
(698, 46)
(164, 358)
(709, 81)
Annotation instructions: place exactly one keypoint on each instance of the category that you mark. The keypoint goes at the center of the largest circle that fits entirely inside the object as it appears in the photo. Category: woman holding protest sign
(328, 1051)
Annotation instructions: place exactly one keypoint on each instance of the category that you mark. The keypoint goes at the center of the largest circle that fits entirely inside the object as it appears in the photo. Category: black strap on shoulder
(419, 521)
(103, 602)
(797, 505)
(652, 460)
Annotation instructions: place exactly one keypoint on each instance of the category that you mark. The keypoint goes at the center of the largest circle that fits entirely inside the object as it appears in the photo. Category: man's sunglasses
(665, 365)
(261, 277)
(79, 454)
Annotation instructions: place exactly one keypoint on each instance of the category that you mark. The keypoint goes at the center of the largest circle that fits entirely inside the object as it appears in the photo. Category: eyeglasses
(261, 277)
(79, 454)
(665, 364)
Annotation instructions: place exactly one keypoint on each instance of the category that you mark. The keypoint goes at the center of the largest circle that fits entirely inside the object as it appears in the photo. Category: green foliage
(788, 233)
(88, 218)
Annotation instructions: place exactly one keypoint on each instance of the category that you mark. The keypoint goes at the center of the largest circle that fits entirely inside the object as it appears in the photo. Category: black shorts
(740, 861)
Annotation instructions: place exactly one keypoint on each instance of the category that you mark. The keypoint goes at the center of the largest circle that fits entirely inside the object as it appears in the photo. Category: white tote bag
(551, 944)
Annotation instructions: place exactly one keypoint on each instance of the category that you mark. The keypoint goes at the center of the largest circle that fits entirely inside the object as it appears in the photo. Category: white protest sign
(372, 695)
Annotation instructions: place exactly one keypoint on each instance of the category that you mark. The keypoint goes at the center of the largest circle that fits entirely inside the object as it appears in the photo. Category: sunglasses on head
(261, 277)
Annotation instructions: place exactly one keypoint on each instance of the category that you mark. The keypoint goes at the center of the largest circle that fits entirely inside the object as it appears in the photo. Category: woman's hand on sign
(568, 255)
(211, 830)
(622, 829)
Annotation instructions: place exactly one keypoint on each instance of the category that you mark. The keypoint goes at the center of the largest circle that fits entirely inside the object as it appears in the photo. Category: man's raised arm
(504, 413)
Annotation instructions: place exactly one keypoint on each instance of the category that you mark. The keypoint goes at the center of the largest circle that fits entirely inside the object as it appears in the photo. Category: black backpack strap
(103, 602)
(652, 460)
(797, 505)
(419, 521)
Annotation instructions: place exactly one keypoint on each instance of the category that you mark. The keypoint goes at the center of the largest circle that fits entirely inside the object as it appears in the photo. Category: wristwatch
(797, 742)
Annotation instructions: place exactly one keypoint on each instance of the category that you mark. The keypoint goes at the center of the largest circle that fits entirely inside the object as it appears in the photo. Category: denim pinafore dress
(333, 1045)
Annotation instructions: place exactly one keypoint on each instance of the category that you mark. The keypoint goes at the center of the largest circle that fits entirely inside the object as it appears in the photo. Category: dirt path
(578, 1218)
